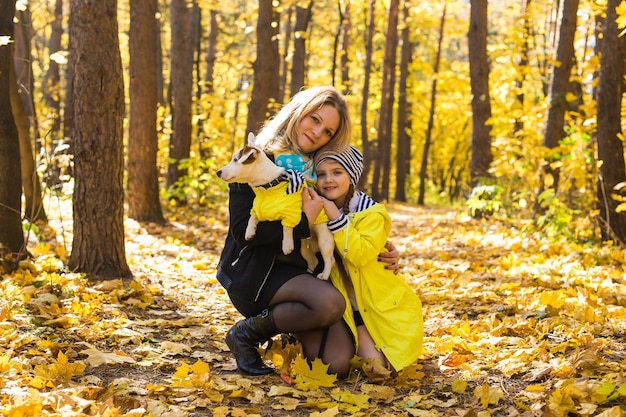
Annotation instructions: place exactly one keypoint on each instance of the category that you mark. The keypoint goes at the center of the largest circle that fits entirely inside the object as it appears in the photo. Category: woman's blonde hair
(278, 135)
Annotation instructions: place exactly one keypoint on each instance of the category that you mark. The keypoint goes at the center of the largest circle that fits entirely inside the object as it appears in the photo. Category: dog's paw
(323, 276)
(287, 248)
(250, 235)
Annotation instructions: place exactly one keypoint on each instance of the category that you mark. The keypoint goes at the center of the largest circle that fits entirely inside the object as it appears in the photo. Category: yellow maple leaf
(62, 369)
(311, 377)
(198, 375)
(488, 395)
(356, 402)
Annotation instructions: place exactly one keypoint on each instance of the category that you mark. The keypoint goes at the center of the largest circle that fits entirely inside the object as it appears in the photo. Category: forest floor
(515, 324)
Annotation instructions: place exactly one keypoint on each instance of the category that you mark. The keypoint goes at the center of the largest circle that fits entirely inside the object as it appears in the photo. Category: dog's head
(249, 165)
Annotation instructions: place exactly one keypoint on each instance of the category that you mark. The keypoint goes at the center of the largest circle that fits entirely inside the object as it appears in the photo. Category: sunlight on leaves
(97, 358)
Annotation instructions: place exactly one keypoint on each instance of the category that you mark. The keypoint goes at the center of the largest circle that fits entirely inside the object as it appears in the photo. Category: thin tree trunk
(143, 177)
(559, 86)
(481, 102)
(266, 67)
(211, 55)
(367, 69)
(431, 116)
(403, 154)
(345, 46)
(31, 184)
(380, 190)
(182, 86)
(298, 63)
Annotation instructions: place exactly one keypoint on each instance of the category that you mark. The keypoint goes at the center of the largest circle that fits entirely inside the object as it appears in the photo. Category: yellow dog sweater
(280, 199)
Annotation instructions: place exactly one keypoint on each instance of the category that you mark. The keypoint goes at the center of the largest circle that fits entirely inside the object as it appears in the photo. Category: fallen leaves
(514, 325)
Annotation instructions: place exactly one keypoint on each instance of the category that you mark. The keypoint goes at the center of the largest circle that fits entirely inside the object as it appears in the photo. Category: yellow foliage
(312, 377)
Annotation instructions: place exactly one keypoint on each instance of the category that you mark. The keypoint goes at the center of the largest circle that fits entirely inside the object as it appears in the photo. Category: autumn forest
(493, 130)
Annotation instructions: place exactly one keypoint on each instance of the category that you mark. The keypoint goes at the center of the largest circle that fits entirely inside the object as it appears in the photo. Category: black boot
(243, 339)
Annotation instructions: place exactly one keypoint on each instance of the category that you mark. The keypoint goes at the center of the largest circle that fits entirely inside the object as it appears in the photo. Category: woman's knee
(333, 308)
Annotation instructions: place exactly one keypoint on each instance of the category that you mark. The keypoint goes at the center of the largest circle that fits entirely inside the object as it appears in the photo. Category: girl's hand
(391, 257)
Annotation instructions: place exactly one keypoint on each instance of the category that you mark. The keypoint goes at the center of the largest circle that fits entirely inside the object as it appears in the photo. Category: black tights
(305, 306)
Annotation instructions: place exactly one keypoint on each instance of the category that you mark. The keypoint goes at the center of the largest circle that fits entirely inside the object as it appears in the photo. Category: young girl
(384, 314)
(273, 291)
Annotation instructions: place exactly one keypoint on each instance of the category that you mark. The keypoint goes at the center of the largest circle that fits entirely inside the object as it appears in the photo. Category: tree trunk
(610, 146)
(31, 184)
(160, 84)
(143, 177)
(211, 54)
(11, 234)
(266, 67)
(286, 58)
(403, 151)
(522, 69)
(345, 46)
(559, 87)
(98, 200)
(23, 65)
(431, 116)
(52, 79)
(298, 63)
(479, 80)
(367, 69)
(380, 185)
(181, 83)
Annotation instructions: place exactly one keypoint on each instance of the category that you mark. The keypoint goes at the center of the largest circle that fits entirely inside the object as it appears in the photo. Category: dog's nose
(219, 173)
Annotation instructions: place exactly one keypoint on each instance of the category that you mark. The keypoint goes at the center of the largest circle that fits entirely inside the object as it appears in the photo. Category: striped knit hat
(351, 160)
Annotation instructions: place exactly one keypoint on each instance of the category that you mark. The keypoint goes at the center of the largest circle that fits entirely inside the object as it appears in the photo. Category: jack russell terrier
(278, 196)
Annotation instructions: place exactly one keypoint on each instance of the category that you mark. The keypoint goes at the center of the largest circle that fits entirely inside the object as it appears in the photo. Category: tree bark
(559, 86)
(403, 149)
(181, 82)
(431, 115)
(367, 70)
(98, 200)
(298, 63)
(143, 177)
(211, 55)
(345, 49)
(266, 67)
(11, 234)
(31, 184)
(380, 183)
(481, 103)
(610, 147)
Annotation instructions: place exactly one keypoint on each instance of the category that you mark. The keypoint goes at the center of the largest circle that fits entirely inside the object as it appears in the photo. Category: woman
(273, 291)
(384, 314)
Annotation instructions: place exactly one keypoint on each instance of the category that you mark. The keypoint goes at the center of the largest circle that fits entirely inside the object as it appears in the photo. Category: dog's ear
(247, 155)
(251, 139)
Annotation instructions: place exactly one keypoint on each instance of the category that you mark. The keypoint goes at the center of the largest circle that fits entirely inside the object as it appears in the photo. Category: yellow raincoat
(391, 310)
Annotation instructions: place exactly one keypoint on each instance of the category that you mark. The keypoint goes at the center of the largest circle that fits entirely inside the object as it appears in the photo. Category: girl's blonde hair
(278, 135)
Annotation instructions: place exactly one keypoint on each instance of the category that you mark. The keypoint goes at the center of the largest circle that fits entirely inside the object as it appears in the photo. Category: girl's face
(317, 128)
(333, 181)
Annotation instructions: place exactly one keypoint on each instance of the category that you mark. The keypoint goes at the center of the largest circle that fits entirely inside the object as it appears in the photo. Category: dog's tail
(343, 271)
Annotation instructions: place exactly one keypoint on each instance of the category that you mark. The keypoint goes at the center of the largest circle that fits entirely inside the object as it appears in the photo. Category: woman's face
(333, 181)
(317, 128)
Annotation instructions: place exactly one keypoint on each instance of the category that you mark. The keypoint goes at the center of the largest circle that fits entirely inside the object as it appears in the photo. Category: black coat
(245, 265)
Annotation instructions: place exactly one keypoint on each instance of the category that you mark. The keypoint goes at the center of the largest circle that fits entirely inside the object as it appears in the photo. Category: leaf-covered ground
(514, 325)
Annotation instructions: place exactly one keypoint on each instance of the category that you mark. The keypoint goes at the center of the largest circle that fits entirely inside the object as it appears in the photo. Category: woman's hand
(312, 204)
(391, 257)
